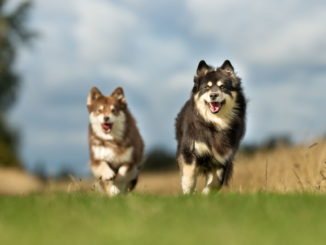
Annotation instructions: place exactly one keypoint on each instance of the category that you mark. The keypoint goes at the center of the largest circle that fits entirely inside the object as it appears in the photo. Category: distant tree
(13, 32)
(268, 145)
(159, 160)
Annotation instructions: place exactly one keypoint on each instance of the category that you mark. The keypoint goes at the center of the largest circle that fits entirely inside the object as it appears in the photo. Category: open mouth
(107, 127)
(215, 107)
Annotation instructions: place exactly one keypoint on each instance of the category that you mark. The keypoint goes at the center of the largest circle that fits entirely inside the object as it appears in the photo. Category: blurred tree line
(159, 160)
(267, 145)
(13, 33)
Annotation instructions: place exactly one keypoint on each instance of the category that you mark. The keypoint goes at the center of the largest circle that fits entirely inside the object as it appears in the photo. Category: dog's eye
(220, 84)
(113, 110)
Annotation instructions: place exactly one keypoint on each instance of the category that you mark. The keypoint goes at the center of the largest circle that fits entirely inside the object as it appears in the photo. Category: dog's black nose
(213, 96)
(106, 119)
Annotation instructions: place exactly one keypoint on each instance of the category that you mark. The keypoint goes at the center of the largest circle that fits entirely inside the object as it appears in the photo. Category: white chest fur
(108, 154)
(201, 149)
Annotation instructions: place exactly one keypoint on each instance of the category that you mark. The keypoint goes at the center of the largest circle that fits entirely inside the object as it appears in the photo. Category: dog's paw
(206, 190)
(114, 190)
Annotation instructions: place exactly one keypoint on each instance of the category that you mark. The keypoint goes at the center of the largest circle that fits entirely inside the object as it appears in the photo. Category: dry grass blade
(298, 179)
(266, 174)
(74, 184)
(312, 145)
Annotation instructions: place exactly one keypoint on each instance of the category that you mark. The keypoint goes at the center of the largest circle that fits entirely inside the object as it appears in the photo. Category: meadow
(283, 169)
(275, 197)
(226, 218)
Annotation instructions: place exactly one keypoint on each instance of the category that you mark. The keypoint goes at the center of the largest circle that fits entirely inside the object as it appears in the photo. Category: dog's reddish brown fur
(115, 145)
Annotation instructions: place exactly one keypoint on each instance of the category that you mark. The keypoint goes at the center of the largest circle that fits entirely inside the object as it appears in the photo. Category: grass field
(225, 218)
(275, 197)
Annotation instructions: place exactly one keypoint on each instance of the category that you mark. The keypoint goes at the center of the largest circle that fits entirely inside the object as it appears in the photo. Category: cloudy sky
(152, 49)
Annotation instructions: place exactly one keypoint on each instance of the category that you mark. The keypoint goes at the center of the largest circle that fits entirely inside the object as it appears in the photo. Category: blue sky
(152, 49)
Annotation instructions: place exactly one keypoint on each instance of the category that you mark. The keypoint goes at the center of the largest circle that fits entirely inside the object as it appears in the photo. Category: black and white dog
(210, 126)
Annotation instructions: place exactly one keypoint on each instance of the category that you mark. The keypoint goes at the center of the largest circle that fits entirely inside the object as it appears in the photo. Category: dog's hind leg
(227, 173)
(213, 181)
(132, 184)
(129, 175)
(189, 172)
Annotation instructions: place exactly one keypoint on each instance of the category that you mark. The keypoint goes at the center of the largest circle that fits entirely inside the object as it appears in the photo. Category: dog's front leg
(120, 183)
(102, 171)
(188, 176)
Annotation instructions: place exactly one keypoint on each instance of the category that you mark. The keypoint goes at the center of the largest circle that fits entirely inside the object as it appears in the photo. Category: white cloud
(263, 32)
(291, 106)
(120, 72)
(299, 42)
(103, 28)
(180, 81)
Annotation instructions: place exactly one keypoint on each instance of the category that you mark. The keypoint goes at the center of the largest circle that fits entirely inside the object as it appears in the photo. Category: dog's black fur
(192, 126)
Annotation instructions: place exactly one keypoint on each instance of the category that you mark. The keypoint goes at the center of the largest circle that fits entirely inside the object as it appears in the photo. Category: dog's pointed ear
(203, 68)
(119, 94)
(229, 70)
(93, 95)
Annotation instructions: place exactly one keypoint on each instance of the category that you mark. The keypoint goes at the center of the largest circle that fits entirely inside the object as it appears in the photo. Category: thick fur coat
(115, 145)
(210, 126)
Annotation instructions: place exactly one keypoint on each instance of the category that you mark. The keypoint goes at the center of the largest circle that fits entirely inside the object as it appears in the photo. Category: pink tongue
(215, 106)
(106, 126)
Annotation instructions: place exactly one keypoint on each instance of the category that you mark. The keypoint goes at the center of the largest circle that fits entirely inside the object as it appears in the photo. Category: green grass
(226, 218)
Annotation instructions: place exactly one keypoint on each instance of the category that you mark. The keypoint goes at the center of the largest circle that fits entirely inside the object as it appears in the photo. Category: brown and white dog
(115, 145)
